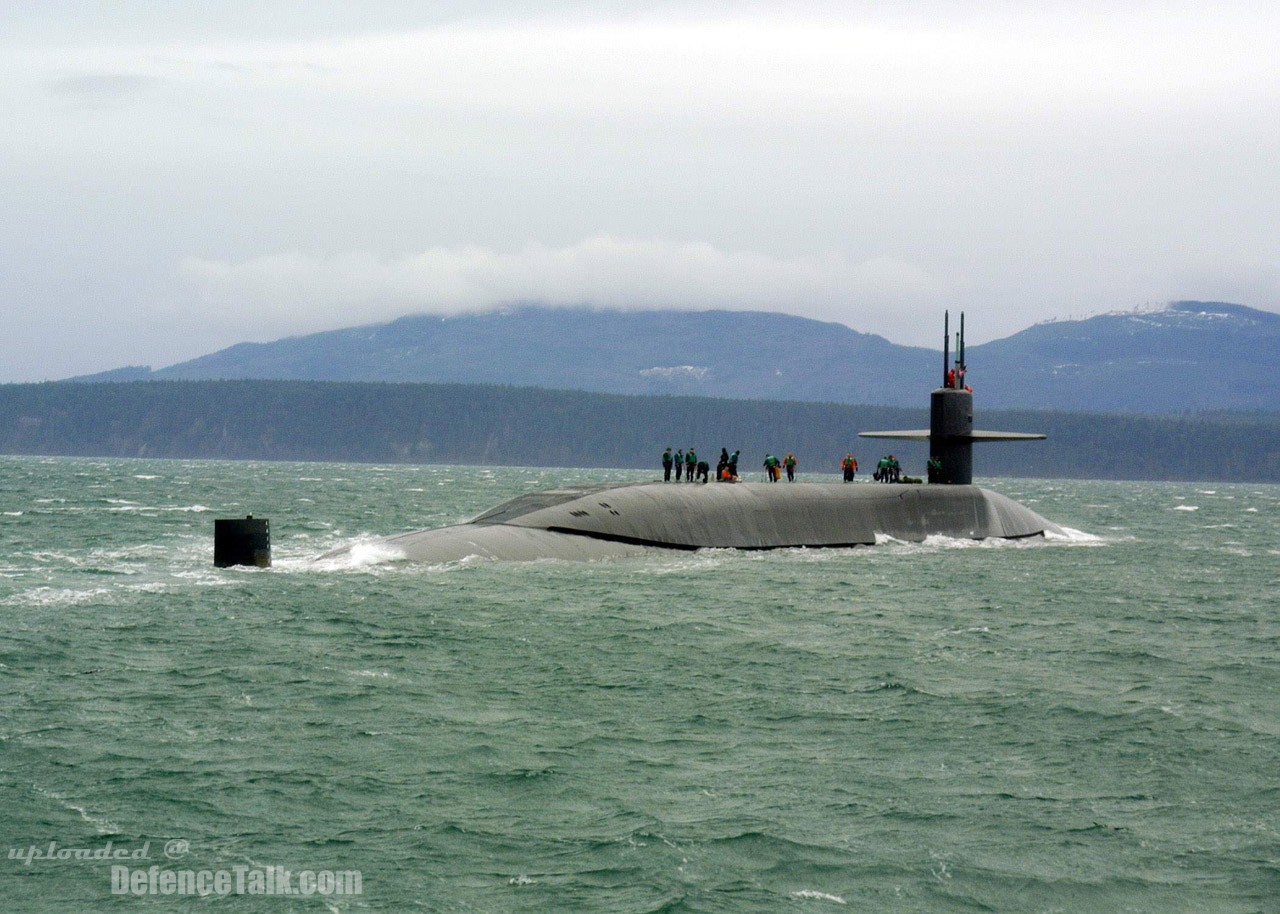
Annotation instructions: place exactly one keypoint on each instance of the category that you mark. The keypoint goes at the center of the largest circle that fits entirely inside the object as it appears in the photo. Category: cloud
(1231, 278)
(307, 292)
(812, 64)
(99, 88)
(1019, 160)
(790, 67)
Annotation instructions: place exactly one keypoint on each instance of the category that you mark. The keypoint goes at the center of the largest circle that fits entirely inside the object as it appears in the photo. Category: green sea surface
(1085, 723)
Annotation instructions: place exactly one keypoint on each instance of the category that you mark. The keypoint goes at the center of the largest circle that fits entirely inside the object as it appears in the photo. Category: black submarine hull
(595, 522)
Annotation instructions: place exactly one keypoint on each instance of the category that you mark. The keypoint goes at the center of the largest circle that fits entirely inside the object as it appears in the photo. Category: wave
(819, 896)
(56, 596)
(938, 542)
(1072, 535)
(128, 507)
(361, 554)
(102, 824)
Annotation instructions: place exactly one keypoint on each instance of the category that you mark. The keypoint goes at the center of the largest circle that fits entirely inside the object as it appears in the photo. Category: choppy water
(1084, 724)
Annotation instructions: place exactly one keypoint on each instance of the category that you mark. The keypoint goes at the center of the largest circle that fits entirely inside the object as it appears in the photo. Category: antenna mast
(946, 345)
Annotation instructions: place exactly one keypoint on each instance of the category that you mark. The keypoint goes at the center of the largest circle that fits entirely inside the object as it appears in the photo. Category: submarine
(585, 522)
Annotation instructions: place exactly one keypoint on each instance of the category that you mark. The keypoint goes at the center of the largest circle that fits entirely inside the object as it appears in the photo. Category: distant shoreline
(493, 425)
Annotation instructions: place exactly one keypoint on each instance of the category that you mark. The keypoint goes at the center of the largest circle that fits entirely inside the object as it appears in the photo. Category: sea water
(1084, 723)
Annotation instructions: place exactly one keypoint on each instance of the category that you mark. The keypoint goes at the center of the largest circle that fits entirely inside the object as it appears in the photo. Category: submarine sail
(950, 434)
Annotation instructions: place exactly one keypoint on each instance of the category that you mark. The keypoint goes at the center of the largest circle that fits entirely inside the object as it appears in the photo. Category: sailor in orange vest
(850, 467)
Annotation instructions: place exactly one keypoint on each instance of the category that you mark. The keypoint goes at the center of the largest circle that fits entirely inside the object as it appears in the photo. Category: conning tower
(950, 433)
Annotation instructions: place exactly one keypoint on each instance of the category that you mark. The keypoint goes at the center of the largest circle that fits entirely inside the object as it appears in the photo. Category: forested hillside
(475, 424)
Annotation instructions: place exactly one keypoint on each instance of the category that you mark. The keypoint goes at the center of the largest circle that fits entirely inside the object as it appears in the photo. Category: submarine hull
(595, 522)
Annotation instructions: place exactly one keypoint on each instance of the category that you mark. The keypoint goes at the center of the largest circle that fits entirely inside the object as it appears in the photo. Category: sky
(181, 177)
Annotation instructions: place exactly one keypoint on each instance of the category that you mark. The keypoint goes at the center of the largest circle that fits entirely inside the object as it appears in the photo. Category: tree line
(525, 426)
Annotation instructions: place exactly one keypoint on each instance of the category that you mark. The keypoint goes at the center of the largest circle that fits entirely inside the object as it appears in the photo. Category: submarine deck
(606, 521)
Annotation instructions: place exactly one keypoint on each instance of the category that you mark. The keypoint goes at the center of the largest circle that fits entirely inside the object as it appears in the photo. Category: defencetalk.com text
(238, 880)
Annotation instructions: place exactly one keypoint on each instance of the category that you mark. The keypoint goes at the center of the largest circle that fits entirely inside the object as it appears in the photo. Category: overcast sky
(179, 177)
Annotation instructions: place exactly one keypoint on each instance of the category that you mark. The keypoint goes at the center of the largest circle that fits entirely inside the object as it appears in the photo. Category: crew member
(667, 460)
(790, 463)
(850, 467)
(679, 465)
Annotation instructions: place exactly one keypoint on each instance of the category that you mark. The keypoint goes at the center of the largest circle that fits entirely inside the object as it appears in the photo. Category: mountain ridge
(1189, 356)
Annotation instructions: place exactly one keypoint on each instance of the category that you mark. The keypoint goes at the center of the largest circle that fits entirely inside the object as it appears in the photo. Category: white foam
(938, 541)
(150, 587)
(971, 630)
(55, 596)
(362, 554)
(1186, 507)
(818, 896)
(816, 554)
(102, 824)
(1071, 535)
(210, 578)
(941, 541)
(673, 562)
